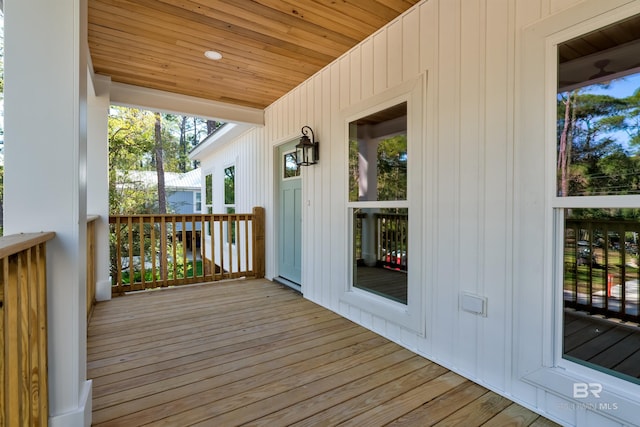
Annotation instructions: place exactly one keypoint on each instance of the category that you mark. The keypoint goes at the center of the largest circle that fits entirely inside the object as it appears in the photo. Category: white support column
(45, 177)
(98, 177)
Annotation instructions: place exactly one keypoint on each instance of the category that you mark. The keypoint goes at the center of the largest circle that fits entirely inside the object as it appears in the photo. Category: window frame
(197, 201)
(547, 369)
(224, 188)
(410, 315)
(557, 204)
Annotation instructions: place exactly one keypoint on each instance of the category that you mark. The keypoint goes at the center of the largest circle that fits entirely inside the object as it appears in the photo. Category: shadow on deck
(253, 352)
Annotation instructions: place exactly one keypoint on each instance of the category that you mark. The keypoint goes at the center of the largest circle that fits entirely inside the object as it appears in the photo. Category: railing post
(258, 242)
(91, 263)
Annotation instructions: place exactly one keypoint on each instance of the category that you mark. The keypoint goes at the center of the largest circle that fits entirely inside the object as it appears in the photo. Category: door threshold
(286, 282)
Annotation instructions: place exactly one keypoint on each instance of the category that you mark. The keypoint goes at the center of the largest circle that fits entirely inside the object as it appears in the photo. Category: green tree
(585, 125)
(392, 168)
(130, 144)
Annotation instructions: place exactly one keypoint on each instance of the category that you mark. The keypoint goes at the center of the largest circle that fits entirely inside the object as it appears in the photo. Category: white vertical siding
(472, 165)
(447, 200)
(245, 153)
(471, 160)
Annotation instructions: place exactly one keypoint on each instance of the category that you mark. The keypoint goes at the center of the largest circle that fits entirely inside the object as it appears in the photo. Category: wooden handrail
(158, 250)
(23, 329)
(10, 245)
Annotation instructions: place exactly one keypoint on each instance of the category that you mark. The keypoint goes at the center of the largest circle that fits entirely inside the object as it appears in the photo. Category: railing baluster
(229, 243)
(118, 255)
(142, 260)
(194, 248)
(174, 246)
(237, 242)
(183, 235)
(23, 325)
(152, 251)
(246, 243)
(221, 238)
(212, 242)
(233, 236)
(130, 240)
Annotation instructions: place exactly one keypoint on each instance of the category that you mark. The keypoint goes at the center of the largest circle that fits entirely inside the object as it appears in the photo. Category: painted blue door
(290, 206)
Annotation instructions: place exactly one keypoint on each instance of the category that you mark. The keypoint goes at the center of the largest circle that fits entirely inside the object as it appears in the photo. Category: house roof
(189, 181)
(268, 47)
(223, 135)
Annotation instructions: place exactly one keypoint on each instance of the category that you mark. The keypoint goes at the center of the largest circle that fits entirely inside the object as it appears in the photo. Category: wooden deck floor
(253, 352)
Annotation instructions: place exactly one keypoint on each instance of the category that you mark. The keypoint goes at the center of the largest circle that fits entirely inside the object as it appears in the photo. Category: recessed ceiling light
(212, 54)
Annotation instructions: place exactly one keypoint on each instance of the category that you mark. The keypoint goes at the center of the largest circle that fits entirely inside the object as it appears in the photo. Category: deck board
(255, 353)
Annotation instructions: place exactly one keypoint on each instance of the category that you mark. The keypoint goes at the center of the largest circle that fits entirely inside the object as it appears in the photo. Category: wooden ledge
(10, 245)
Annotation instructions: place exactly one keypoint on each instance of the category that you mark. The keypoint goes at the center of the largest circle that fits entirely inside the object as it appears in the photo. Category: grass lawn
(148, 274)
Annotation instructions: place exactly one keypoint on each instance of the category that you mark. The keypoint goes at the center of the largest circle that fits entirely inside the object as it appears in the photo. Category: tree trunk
(564, 149)
(183, 145)
(162, 197)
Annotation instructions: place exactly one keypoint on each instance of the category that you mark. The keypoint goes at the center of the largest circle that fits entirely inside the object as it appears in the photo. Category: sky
(619, 88)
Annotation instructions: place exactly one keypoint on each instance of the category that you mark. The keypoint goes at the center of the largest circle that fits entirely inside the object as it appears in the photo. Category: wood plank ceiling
(268, 46)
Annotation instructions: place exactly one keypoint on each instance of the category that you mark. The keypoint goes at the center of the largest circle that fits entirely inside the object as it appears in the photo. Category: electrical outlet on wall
(475, 304)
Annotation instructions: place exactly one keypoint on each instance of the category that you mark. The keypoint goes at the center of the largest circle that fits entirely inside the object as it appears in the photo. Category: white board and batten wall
(478, 190)
(246, 154)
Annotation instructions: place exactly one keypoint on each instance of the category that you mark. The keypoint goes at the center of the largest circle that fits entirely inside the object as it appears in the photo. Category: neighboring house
(182, 189)
(183, 195)
(477, 232)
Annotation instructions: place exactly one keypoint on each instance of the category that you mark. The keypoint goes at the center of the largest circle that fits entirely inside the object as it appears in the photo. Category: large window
(598, 154)
(378, 202)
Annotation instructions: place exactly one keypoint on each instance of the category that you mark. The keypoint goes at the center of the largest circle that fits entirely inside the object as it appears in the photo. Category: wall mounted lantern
(307, 152)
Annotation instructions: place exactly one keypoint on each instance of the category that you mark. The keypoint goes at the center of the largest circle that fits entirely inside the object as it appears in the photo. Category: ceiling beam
(156, 100)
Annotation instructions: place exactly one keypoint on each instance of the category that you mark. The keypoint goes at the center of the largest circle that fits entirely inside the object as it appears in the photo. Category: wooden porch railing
(23, 326)
(392, 240)
(601, 267)
(389, 233)
(149, 251)
(91, 263)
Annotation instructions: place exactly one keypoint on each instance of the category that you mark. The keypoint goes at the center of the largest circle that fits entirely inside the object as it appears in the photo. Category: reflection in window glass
(230, 185)
(378, 156)
(380, 242)
(198, 202)
(597, 154)
(600, 288)
(208, 186)
(598, 130)
(290, 166)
